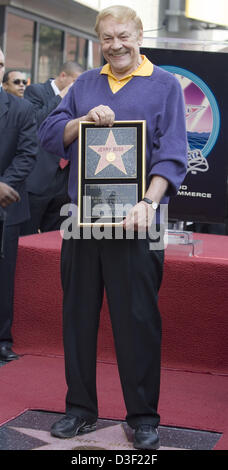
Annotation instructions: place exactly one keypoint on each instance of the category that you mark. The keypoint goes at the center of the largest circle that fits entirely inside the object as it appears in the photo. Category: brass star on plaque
(111, 154)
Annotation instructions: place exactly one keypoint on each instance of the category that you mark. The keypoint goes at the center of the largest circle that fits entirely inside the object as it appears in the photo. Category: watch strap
(153, 204)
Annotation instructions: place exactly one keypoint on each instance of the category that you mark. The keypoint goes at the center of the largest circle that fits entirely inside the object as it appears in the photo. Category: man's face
(16, 84)
(65, 79)
(2, 66)
(120, 44)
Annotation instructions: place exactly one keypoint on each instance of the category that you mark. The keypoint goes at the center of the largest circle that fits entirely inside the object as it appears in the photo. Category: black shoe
(70, 426)
(6, 353)
(146, 437)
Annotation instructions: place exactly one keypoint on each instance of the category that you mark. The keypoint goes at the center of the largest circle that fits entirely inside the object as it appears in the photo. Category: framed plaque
(111, 171)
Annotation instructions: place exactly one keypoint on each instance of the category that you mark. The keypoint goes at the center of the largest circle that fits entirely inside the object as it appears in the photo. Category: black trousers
(7, 275)
(131, 275)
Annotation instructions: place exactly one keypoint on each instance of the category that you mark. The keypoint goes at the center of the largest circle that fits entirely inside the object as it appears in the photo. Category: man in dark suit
(18, 149)
(48, 183)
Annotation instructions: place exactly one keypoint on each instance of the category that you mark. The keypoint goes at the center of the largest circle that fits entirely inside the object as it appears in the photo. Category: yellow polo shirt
(145, 69)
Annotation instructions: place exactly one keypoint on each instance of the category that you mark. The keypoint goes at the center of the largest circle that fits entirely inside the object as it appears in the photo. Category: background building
(182, 24)
(38, 36)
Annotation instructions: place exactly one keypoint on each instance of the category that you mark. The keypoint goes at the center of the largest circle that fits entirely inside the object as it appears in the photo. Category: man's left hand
(139, 218)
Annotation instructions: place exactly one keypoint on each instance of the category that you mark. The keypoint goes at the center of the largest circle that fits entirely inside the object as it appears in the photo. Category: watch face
(154, 205)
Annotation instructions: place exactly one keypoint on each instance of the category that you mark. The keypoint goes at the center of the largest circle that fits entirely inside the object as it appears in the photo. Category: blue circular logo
(202, 112)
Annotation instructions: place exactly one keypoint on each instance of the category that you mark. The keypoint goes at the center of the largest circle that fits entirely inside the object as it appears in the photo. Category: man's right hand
(101, 115)
(8, 195)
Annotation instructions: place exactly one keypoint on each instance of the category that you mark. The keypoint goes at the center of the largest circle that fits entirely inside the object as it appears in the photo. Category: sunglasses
(17, 81)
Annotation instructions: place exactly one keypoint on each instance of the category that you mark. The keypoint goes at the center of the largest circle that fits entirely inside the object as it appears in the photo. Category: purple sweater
(158, 99)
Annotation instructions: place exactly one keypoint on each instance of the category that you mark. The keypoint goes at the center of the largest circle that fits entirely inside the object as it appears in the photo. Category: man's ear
(140, 37)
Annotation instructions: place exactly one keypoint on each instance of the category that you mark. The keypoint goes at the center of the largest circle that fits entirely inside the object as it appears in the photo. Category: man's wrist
(151, 203)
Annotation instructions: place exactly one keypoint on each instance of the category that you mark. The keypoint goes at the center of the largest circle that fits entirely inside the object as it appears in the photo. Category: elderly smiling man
(128, 87)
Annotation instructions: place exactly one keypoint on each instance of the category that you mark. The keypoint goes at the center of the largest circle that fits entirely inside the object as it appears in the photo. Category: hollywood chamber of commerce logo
(202, 118)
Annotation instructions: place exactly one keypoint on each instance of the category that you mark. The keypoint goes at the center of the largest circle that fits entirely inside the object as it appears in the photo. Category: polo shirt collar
(145, 69)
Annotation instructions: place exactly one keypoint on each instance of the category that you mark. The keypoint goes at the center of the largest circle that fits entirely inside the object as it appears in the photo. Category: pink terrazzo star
(111, 154)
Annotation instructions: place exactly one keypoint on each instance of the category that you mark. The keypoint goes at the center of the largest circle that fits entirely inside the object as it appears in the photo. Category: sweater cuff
(166, 171)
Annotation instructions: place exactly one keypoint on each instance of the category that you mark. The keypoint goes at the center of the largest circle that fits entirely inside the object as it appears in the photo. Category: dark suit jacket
(44, 100)
(18, 149)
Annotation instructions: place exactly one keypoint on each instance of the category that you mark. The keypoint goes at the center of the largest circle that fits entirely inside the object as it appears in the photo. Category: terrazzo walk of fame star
(111, 153)
(31, 431)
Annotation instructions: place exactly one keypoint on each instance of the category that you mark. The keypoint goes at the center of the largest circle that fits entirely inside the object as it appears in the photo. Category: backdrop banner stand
(202, 197)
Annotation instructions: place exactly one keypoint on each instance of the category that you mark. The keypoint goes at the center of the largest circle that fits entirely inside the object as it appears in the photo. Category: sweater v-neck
(120, 91)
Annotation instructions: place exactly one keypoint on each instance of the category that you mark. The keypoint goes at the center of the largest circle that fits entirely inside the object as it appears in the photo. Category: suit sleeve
(26, 151)
(52, 129)
(42, 106)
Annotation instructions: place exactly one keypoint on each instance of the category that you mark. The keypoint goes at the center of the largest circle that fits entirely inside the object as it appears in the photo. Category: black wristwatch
(153, 204)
